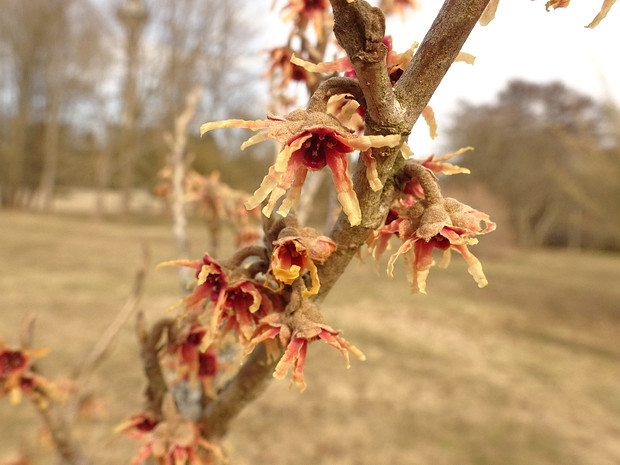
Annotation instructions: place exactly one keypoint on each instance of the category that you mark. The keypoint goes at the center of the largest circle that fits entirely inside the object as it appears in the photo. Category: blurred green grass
(525, 371)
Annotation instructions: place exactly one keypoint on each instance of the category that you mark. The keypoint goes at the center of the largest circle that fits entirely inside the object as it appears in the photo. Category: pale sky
(523, 41)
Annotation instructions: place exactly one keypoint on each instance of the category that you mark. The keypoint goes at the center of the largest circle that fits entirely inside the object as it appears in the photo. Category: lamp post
(133, 15)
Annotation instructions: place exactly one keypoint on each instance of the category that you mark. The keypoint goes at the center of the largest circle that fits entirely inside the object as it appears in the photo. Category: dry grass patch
(523, 372)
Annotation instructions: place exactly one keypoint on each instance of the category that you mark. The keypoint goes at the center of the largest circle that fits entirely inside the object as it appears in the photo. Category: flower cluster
(232, 299)
(295, 329)
(444, 226)
(253, 311)
(423, 220)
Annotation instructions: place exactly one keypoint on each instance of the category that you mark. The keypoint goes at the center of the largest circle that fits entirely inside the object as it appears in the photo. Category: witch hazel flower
(310, 141)
(379, 240)
(280, 58)
(227, 295)
(189, 362)
(296, 331)
(210, 283)
(16, 375)
(436, 165)
(303, 12)
(296, 251)
(445, 225)
(171, 440)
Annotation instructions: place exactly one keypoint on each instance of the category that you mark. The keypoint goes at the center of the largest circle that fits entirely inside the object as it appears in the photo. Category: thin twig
(53, 416)
(101, 347)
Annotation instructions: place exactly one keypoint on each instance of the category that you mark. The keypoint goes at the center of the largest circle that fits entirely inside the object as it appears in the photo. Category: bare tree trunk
(104, 165)
(51, 153)
(14, 169)
(177, 142)
(133, 22)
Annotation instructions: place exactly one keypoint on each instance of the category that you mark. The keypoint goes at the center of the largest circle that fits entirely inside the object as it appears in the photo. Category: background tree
(529, 151)
(50, 60)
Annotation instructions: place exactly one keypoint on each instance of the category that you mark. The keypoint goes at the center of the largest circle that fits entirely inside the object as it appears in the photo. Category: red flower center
(237, 299)
(440, 242)
(11, 361)
(194, 339)
(320, 146)
(207, 365)
(312, 5)
(147, 424)
(289, 256)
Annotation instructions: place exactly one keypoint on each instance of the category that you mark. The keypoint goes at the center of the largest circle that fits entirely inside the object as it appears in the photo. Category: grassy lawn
(525, 371)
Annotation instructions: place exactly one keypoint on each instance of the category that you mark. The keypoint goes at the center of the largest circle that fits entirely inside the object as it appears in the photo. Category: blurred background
(525, 371)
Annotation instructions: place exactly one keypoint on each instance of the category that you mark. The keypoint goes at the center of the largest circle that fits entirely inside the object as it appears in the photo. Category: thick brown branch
(426, 178)
(243, 388)
(157, 386)
(413, 91)
(61, 433)
(442, 43)
(360, 29)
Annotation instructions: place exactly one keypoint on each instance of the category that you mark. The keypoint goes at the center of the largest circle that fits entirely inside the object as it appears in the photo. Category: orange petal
(338, 66)
(466, 58)
(255, 139)
(269, 182)
(366, 142)
(429, 116)
(294, 193)
(607, 4)
(489, 13)
(234, 123)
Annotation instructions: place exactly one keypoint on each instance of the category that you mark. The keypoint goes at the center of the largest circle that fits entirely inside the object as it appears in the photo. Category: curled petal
(489, 13)
(342, 345)
(366, 142)
(255, 139)
(406, 151)
(607, 4)
(466, 58)
(429, 116)
(234, 123)
(269, 182)
(294, 193)
(298, 369)
(197, 264)
(371, 171)
(474, 267)
(292, 352)
(556, 4)
(314, 274)
(341, 65)
(404, 248)
(344, 187)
